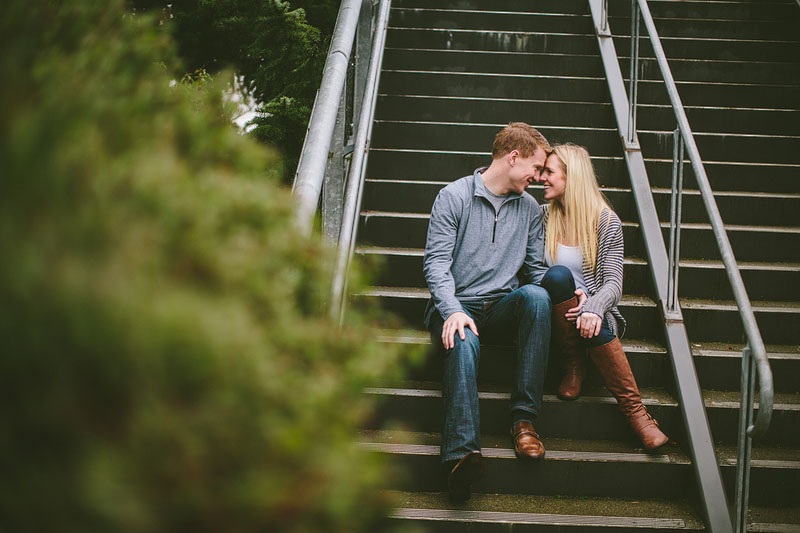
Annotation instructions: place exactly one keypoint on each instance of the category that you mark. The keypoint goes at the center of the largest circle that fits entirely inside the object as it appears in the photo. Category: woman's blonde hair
(577, 212)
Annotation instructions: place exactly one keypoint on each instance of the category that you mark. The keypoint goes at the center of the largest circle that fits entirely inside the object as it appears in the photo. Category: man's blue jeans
(522, 315)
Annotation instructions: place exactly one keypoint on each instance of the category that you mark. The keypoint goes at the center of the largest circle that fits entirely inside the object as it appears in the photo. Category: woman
(583, 247)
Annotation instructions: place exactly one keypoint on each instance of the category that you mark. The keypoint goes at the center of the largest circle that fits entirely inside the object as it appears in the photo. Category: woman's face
(553, 178)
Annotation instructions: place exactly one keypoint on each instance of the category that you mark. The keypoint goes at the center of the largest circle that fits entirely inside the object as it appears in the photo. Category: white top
(572, 258)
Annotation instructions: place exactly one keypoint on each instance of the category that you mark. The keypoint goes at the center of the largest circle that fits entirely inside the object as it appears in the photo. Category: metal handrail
(314, 155)
(358, 166)
(731, 268)
(754, 356)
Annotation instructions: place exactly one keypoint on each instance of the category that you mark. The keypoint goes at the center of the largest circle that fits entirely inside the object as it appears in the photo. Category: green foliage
(167, 364)
(278, 47)
(283, 122)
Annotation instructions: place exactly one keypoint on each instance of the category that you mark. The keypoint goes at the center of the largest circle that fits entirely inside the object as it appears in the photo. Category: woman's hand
(589, 325)
(572, 314)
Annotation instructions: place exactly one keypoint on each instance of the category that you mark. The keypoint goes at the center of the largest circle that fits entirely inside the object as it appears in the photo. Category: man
(485, 234)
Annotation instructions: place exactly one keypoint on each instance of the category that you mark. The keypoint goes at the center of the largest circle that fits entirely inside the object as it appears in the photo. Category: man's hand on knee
(456, 323)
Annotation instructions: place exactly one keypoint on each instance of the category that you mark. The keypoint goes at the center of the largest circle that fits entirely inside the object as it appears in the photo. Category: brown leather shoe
(526, 441)
(613, 365)
(462, 475)
(646, 428)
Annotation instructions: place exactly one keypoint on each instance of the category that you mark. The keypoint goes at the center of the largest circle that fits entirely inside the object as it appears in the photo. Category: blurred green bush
(166, 362)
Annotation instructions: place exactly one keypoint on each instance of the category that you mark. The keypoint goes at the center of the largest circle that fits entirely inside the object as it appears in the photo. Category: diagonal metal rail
(358, 166)
(707, 472)
(307, 184)
(325, 134)
(754, 357)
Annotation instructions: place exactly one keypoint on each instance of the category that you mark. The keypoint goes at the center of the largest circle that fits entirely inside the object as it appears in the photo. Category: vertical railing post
(355, 180)
(341, 149)
(363, 49)
(745, 440)
(633, 86)
(603, 29)
(676, 202)
(333, 182)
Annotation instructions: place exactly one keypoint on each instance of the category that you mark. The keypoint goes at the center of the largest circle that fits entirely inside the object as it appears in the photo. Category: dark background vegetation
(278, 47)
(167, 363)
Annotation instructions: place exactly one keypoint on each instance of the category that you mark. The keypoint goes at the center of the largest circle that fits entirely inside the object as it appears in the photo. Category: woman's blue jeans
(522, 315)
(560, 286)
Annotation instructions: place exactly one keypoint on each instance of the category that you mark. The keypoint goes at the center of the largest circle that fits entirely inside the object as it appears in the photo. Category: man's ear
(512, 157)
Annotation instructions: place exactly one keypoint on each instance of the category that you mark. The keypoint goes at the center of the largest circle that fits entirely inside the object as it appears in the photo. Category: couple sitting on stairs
(495, 260)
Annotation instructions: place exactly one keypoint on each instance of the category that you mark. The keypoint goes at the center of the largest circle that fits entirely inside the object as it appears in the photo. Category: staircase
(456, 71)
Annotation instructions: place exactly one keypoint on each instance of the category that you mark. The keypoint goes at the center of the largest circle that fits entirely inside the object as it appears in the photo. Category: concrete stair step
(723, 27)
(748, 95)
(701, 9)
(601, 141)
(532, 20)
(527, 20)
(494, 85)
(448, 165)
(718, 365)
(692, 9)
(709, 48)
(416, 135)
(648, 362)
(721, 119)
(718, 320)
(393, 107)
(572, 467)
(501, 512)
(406, 307)
(705, 320)
(417, 406)
(516, 6)
(717, 70)
(750, 243)
(492, 61)
(402, 267)
(735, 207)
(478, 110)
(505, 41)
(416, 81)
(586, 43)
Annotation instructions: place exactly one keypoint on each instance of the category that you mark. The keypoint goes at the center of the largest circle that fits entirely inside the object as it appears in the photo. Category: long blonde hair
(577, 212)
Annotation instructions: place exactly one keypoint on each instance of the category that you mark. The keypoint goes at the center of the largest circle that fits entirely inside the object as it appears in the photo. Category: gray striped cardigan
(605, 283)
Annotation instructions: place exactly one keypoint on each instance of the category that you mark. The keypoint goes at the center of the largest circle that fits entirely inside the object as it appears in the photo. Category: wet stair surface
(454, 73)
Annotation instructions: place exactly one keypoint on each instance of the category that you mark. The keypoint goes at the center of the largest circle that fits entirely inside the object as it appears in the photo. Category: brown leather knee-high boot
(567, 342)
(613, 365)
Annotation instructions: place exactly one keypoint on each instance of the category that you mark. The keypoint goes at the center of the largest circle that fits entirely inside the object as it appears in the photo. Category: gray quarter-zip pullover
(474, 252)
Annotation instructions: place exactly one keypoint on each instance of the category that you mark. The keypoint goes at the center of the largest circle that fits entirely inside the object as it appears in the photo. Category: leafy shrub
(167, 363)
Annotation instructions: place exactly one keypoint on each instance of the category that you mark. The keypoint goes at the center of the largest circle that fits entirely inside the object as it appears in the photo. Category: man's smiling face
(525, 170)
